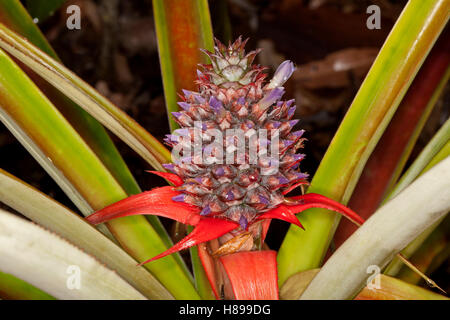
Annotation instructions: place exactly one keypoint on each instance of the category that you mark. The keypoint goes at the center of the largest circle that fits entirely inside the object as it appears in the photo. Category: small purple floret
(282, 74)
(178, 198)
(220, 171)
(199, 98)
(298, 133)
(243, 222)
(263, 199)
(283, 180)
(199, 179)
(276, 124)
(289, 102)
(215, 104)
(186, 106)
(291, 111)
(184, 132)
(206, 210)
(172, 138)
(300, 175)
(169, 166)
(287, 143)
(187, 93)
(293, 122)
(176, 114)
(298, 156)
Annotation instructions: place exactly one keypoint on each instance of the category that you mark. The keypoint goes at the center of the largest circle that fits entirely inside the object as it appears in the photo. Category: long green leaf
(396, 144)
(435, 151)
(384, 288)
(401, 56)
(183, 27)
(48, 262)
(53, 138)
(12, 288)
(53, 216)
(383, 235)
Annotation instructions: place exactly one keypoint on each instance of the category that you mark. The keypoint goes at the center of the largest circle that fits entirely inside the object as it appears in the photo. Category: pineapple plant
(230, 198)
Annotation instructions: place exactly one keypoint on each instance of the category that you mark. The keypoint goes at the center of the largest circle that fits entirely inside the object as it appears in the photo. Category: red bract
(249, 283)
(159, 202)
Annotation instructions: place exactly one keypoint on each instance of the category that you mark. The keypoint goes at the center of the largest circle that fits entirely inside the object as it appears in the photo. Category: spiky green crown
(233, 94)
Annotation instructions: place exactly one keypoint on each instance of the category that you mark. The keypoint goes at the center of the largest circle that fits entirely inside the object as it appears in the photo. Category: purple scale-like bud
(243, 222)
(241, 100)
(298, 156)
(300, 175)
(270, 98)
(287, 143)
(169, 166)
(219, 172)
(291, 111)
(293, 122)
(276, 124)
(215, 104)
(298, 133)
(187, 93)
(283, 179)
(249, 124)
(172, 138)
(229, 196)
(206, 210)
(282, 74)
(199, 179)
(178, 198)
(184, 132)
(176, 114)
(186, 106)
(264, 200)
(199, 99)
(289, 102)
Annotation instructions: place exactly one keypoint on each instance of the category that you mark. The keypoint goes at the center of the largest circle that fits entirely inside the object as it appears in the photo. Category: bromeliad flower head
(236, 106)
(217, 196)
